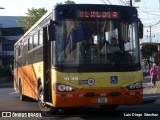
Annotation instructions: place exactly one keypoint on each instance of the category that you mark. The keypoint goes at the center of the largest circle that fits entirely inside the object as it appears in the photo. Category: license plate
(102, 100)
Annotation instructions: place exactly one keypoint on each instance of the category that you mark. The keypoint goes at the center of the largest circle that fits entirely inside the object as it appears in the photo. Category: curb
(150, 98)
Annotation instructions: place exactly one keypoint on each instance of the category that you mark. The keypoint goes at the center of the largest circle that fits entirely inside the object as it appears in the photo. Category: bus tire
(45, 108)
(21, 97)
(108, 107)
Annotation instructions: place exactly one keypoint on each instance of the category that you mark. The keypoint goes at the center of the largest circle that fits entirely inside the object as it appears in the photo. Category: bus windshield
(88, 42)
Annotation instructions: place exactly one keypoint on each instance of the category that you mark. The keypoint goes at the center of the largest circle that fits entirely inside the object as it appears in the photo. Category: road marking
(151, 96)
(13, 92)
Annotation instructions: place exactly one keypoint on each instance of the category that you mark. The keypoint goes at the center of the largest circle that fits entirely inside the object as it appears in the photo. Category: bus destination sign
(98, 14)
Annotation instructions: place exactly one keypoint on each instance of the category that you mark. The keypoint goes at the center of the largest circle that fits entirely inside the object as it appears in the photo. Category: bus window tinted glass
(86, 42)
(41, 37)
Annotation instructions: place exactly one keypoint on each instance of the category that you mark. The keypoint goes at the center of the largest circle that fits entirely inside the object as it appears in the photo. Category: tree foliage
(69, 2)
(148, 49)
(66, 2)
(32, 16)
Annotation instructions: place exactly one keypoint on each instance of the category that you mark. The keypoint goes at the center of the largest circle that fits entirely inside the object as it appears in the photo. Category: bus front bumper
(96, 97)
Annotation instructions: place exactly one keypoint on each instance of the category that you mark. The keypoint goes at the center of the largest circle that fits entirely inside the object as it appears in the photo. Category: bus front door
(47, 92)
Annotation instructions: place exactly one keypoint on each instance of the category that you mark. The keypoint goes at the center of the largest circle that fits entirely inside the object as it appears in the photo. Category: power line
(109, 2)
(148, 12)
(150, 36)
(151, 11)
(151, 8)
(124, 3)
(152, 19)
(119, 2)
(153, 24)
(103, 1)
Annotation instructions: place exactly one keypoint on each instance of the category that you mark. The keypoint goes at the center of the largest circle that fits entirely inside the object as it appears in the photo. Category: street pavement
(150, 93)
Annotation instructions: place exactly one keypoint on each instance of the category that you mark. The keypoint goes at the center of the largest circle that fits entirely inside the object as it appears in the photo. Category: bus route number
(102, 100)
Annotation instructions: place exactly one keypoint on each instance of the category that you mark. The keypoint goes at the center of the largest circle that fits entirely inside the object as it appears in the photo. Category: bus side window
(41, 37)
(30, 43)
(18, 51)
(35, 39)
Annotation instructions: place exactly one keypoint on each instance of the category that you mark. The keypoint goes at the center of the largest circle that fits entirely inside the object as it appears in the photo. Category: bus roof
(99, 6)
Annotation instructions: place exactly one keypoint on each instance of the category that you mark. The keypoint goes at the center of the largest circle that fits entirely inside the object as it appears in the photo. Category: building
(10, 32)
(156, 56)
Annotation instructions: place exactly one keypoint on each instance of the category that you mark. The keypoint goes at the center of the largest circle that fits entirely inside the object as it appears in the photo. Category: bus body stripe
(96, 95)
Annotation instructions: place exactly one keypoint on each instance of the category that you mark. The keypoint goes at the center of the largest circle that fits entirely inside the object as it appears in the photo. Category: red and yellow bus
(62, 61)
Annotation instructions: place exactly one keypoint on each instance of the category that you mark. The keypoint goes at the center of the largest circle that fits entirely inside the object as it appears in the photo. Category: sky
(148, 10)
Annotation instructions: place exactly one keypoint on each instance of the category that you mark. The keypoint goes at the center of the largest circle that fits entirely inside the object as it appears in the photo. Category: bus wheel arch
(42, 105)
(39, 82)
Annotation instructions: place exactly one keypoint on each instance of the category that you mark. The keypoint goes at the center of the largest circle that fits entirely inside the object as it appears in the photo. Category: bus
(62, 60)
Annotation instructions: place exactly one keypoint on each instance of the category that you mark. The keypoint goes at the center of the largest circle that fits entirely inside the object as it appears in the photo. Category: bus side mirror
(140, 30)
(51, 32)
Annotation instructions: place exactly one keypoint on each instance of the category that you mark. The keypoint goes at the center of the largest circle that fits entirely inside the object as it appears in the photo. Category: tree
(69, 2)
(148, 49)
(32, 16)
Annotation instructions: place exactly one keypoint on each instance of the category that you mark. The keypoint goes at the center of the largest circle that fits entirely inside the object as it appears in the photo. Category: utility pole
(134, 1)
(150, 34)
(130, 2)
(150, 37)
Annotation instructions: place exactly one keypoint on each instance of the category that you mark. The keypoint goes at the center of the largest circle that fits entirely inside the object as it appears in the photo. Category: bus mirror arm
(51, 30)
(140, 30)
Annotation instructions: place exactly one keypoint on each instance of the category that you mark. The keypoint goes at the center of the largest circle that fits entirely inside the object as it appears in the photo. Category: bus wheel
(43, 106)
(22, 97)
(109, 107)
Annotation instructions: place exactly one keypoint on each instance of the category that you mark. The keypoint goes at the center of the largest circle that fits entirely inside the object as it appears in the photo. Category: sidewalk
(150, 93)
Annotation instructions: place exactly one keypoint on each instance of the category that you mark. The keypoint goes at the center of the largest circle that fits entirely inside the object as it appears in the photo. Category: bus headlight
(61, 88)
(134, 86)
(64, 88)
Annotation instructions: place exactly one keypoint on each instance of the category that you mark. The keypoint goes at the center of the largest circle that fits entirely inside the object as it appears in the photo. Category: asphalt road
(9, 102)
